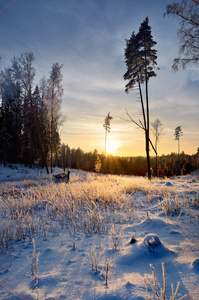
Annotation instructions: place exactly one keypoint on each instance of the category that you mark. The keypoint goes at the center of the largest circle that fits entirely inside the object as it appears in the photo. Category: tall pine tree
(140, 58)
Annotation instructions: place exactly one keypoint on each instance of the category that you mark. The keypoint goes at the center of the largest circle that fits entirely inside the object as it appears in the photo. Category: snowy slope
(89, 216)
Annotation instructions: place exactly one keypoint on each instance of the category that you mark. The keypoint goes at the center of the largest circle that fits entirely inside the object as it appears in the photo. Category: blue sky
(88, 38)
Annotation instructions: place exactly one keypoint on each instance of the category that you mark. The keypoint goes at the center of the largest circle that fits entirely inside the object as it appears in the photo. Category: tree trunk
(156, 165)
(38, 137)
(51, 146)
(64, 157)
(147, 129)
(142, 104)
(147, 154)
(156, 158)
(105, 140)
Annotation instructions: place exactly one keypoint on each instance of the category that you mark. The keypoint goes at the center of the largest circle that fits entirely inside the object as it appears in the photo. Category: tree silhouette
(107, 127)
(140, 59)
(178, 133)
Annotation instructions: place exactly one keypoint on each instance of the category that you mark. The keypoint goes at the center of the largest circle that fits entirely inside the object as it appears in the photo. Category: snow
(93, 214)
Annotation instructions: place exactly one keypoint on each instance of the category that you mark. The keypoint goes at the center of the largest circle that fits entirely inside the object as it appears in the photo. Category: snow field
(84, 227)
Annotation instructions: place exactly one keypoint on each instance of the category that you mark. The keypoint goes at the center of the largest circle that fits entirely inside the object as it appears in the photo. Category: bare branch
(152, 146)
(188, 13)
(133, 120)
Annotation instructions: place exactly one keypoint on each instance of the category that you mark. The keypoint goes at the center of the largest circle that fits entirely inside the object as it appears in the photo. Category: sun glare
(111, 147)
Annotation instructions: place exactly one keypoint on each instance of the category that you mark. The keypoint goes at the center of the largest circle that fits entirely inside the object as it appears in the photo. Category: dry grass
(90, 202)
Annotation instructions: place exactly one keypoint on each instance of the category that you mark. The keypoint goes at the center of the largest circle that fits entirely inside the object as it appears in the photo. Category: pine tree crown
(140, 58)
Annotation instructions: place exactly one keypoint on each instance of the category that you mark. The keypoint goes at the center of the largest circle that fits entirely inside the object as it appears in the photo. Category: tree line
(168, 165)
(30, 113)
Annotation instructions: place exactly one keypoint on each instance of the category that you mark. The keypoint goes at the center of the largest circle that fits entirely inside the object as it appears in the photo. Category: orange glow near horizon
(111, 147)
(126, 146)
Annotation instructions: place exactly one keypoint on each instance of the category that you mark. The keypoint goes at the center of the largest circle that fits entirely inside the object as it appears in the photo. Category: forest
(30, 113)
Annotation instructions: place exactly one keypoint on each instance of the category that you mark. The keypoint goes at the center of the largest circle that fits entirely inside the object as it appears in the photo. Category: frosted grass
(90, 202)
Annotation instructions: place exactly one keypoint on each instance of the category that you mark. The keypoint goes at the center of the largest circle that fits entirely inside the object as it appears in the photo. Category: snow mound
(151, 239)
(153, 243)
(152, 224)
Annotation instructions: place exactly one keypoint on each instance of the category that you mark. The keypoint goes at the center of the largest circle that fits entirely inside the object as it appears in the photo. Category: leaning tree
(140, 58)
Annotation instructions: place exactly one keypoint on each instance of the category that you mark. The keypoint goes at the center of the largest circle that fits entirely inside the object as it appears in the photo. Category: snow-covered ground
(97, 227)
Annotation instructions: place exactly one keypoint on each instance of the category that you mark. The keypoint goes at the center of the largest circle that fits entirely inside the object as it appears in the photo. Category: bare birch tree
(157, 131)
(188, 13)
(55, 92)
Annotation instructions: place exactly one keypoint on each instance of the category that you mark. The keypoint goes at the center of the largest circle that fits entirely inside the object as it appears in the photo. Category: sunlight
(111, 147)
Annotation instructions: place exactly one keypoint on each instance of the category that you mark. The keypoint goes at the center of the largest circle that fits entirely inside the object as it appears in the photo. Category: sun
(111, 147)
